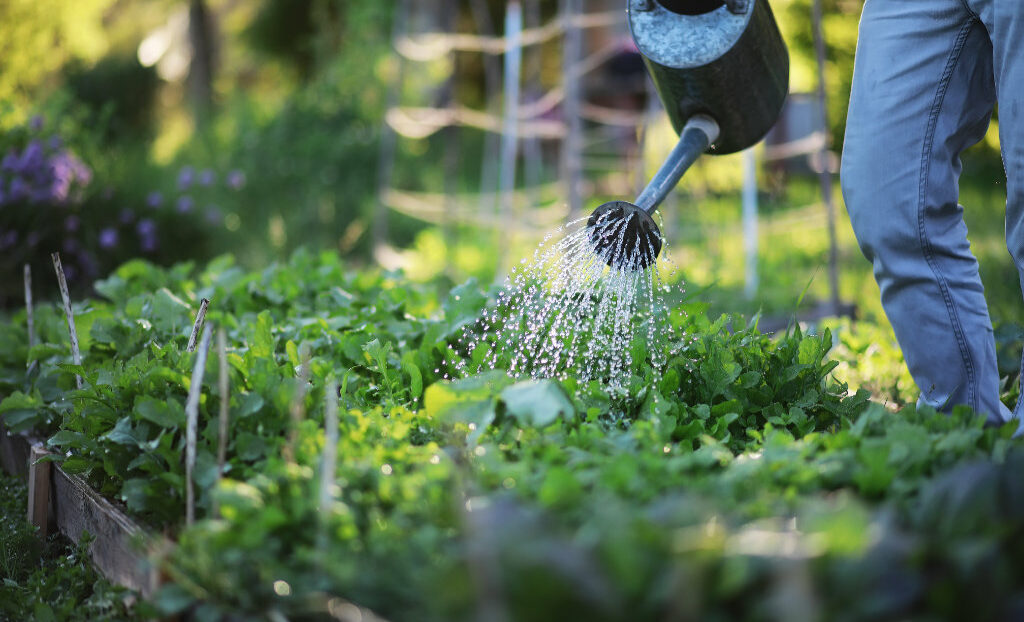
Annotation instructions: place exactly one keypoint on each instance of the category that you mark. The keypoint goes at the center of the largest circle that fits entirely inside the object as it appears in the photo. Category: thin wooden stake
(572, 146)
(204, 304)
(29, 314)
(225, 406)
(825, 174)
(330, 455)
(192, 413)
(298, 406)
(510, 126)
(38, 490)
(76, 355)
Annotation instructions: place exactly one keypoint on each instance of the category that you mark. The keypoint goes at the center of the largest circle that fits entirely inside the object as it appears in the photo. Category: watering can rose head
(624, 236)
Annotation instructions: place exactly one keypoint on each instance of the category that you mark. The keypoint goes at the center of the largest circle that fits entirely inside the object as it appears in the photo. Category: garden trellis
(523, 119)
(527, 120)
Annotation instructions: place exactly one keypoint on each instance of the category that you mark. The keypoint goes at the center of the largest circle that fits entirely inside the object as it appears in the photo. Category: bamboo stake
(225, 406)
(492, 74)
(192, 413)
(29, 315)
(510, 130)
(204, 304)
(572, 146)
(823, 155)
(330, 455)
(76, 355)
(298, 406)
(389, 138)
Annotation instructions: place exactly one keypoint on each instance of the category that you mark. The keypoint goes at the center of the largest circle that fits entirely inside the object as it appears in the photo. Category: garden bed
(119, 548)
(742, 481)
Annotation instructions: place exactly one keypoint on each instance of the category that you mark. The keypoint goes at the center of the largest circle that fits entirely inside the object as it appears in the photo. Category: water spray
(721, 70)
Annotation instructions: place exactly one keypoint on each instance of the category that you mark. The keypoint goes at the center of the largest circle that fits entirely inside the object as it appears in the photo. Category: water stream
(566, 313)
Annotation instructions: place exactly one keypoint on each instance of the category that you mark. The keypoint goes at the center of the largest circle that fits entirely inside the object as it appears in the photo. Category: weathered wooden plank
(39, 490)
(119, 551)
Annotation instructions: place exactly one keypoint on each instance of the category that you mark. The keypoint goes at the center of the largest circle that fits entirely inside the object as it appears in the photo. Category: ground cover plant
(743, 482)
(48, 579)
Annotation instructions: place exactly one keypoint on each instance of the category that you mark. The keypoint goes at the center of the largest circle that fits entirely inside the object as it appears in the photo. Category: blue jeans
(927, 76)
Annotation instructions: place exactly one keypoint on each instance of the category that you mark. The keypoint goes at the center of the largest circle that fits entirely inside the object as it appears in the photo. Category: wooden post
(389, 138)
(29, 314)
(451, 144)
(330, 455)
(39, 490)
(824, 164)
(191, 429)
(204, 304)
(76, 355)
(29, 318)
(225, 407)
(492, 70)
(510, 128)
(201, 68)
(298, 405)
(533, 155)
(572, 147)
(750, 228)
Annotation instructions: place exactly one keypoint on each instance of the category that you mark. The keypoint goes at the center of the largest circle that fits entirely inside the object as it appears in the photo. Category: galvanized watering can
(721, 70)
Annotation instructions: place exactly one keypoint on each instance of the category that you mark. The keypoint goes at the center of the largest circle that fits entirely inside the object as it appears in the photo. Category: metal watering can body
(723, 59)
(722, 72)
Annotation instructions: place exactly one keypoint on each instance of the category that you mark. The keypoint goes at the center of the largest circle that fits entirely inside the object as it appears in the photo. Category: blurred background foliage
(256, 126)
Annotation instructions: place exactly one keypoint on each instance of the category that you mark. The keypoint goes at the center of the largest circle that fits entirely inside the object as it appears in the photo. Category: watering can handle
(697, 135)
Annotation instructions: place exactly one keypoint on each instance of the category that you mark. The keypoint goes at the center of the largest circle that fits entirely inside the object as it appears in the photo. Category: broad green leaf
(537, 403)
(261, 338)
(21, 412)
(168, 413)
(410, 367)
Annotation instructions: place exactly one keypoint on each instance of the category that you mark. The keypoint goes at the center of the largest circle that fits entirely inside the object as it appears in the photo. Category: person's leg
(922, 93)
(1004, 20)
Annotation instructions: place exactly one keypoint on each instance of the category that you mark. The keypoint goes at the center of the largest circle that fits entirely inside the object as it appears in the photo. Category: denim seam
(926, 248)
(971, 11)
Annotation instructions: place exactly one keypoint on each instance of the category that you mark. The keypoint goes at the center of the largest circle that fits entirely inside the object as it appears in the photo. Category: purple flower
(146, 227)
(54, 143)
(36, 123)
(32, 239)
(126, 216)
(71, 223)
(70, 245)
(213, 215)
(154, 200)
(19, 189)
(185, 177)
(8, 239)
(10, 161)
(33, 157)
(67, 170)
(87, 263)
(108, 238)
(206, 177)
(236, 179)
(185, 204)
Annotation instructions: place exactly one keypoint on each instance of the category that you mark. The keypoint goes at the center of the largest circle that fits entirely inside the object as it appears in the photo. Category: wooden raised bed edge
(122, 548)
